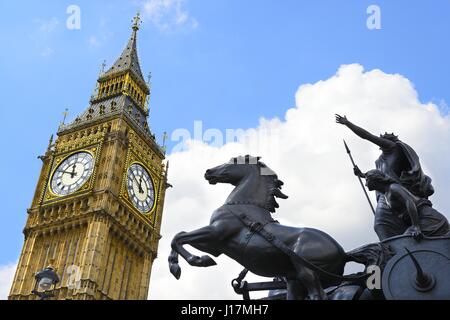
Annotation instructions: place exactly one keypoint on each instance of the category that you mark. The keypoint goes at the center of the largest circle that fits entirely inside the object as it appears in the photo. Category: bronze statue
(306, 263)
(401, 163)
(244, 230)
(417, 213)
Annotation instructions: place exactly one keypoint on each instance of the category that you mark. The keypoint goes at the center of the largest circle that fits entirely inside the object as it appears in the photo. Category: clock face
(140, 188)
(72, 173)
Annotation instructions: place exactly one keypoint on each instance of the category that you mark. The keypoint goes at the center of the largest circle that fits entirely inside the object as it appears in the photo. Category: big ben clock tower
(97, 209)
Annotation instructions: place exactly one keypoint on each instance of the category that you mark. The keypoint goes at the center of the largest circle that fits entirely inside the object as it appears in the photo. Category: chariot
(308, 263)
(417, 270)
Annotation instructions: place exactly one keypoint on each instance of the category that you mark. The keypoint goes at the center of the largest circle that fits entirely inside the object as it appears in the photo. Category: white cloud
(444, 108)
(168, 15)
(6, 277)
(310, 158)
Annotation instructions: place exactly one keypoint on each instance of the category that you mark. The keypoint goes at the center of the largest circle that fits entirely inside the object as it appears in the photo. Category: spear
(359, 178)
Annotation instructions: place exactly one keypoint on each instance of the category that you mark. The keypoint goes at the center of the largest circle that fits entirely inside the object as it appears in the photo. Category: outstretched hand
(341, 119)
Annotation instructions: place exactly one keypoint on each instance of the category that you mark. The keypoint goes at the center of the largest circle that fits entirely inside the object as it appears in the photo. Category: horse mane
(270, 178)
(274, 186)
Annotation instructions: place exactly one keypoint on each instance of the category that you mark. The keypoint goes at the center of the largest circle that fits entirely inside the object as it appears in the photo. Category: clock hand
(62, 171)
(139, 183)
(72, 174)
(140, 186)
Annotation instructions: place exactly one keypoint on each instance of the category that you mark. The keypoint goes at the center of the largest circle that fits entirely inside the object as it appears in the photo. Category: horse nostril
(208, 172)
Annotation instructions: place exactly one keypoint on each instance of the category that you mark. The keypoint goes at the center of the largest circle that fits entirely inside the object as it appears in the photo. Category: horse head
(255, 182)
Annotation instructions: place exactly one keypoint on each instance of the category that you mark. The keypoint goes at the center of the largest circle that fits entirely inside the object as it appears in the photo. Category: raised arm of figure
(364, 134)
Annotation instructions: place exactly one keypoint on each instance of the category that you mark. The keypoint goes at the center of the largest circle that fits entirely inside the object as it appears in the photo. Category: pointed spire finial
(165, 137)
(137, 21)
(128, 60)
(149, 81)
(102, 67)
(65, 113)
(50, 143)
(149, 77)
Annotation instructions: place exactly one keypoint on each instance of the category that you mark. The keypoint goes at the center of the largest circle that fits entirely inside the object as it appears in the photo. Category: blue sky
(228, 64)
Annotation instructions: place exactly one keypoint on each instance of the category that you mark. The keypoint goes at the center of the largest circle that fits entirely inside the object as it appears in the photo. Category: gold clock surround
(152, 181)
(87, 185)
(156, 180)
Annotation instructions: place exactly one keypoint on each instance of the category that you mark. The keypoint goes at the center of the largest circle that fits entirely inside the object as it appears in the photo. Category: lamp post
(45, 283)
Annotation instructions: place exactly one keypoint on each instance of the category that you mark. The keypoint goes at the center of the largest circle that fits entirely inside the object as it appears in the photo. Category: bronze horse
(253, 197)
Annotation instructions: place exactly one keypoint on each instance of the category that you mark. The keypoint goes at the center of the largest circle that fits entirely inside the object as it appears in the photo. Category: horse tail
(330, 275)
(371, 254)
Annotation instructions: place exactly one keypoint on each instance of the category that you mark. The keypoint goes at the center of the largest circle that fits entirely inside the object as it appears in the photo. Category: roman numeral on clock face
(72, 173)
(140, 188)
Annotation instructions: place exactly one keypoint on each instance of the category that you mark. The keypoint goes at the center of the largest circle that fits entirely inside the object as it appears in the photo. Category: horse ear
(258, 158)
(279, 183)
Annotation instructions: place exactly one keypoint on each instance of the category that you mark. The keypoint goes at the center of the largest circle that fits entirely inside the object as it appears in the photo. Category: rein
(259, 228)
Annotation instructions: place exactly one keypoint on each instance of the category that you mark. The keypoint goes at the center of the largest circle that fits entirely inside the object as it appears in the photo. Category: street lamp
(45, 283)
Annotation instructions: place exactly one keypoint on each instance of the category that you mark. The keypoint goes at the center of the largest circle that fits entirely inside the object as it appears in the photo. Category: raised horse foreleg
(202, 238)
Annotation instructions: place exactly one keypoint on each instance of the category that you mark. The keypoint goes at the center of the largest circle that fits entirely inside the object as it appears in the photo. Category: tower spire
(128, 60)
(120, 89)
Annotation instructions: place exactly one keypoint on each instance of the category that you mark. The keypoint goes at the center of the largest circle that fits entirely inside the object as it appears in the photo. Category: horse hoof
(175, 270)
(207, 261)
(194, 261)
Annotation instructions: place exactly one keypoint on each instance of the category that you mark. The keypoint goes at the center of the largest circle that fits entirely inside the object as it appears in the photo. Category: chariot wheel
(419, 274)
